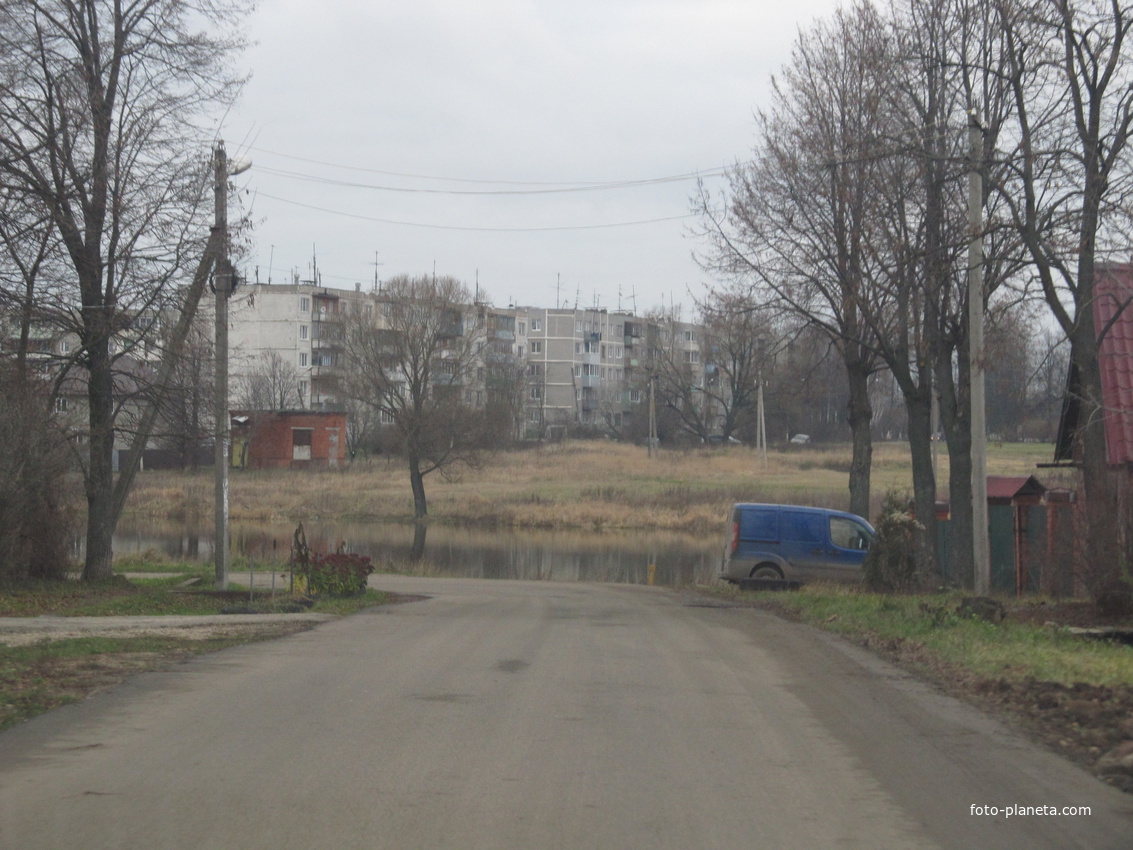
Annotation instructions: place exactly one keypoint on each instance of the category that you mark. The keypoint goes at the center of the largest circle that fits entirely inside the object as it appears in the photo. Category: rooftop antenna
(271, 261)
(577, 294)
(558, 281)
(619, 297)
(376, 264)
(633, 298)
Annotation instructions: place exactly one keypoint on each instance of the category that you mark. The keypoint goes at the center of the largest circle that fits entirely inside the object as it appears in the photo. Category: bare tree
(677, 371)
(800, 218)
(1068, 190)
(100, 102)
(736, 344)
(412, 362)
(272, 384)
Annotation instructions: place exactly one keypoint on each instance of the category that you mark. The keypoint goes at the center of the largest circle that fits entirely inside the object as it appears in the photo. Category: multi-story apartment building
(555, 369)
(592, 368)
(301, 324)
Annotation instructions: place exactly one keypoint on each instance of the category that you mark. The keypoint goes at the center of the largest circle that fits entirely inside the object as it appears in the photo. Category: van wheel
(766, 571)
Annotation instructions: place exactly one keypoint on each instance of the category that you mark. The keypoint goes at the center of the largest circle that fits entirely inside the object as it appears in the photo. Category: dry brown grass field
(590, 485)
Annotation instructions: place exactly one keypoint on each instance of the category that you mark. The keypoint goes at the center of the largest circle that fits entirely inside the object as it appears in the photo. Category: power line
(593, 187)
(565, 185)
(480, 229)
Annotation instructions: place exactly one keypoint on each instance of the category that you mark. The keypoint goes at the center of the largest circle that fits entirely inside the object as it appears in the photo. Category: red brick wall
(269, 437)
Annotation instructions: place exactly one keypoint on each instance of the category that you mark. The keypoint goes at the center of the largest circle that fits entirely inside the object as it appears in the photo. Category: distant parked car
(795, 543)
(718, 440)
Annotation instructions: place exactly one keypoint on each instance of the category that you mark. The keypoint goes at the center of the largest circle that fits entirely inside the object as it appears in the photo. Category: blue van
(796, 543)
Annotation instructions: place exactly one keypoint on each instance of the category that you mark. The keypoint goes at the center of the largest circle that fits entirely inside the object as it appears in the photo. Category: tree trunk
(860, 418)
(417, 482)
(1102, 556)
(919, 408)
(100, 475)
(417, 551)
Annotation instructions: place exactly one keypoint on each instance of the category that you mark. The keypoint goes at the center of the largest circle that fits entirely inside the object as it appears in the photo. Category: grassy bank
(927, 630)
(36, 677)
(1072, 693)
(591, 485)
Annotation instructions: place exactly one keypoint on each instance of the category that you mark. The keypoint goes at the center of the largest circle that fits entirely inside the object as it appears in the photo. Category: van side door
(805, 543)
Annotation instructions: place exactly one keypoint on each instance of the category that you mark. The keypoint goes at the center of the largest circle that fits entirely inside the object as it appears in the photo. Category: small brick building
(288, 439)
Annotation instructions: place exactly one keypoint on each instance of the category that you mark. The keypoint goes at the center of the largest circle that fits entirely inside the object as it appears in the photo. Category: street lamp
(223, 280)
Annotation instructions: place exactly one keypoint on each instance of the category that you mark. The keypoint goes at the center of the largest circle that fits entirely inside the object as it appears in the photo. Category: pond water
(627, 558)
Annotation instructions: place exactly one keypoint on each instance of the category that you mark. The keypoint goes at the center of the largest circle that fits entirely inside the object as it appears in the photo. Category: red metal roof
(1113, 294)
(1005, 488)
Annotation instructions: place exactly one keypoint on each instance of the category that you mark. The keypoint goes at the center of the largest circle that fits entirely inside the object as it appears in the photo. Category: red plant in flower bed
(338, 574)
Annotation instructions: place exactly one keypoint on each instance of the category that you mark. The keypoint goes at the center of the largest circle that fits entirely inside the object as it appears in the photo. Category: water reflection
(461, 552)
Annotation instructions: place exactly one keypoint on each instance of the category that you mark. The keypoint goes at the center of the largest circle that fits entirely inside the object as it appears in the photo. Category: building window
(692, 356)
(536, 393)
(303, 331)
(302, 358)
(64, 347)
(536, 325)
(301, 443)
(387, 417)
(535, 416)
(304, 388)
(536, 347)
(534, 369)
(578, 326)
(304, 304)
(690, 336)
(60, 405)
(522, 328)
(635, 396)
(578, 371)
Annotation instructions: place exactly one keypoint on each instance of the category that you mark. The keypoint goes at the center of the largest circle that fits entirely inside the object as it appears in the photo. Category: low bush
(890, 565)
(338, 574)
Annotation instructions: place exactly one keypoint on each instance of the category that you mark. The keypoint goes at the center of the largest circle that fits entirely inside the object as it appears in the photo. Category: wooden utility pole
(980, 542)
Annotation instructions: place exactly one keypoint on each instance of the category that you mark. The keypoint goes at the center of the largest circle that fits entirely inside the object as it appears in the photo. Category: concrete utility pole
(980, 542)
(222, 285)
(761, 422)
(652, 421)
(222, 280)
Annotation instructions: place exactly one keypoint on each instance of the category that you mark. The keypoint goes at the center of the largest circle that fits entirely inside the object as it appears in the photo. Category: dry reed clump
(190, 501)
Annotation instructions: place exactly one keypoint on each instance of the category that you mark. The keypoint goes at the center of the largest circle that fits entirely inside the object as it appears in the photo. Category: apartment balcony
(590, 381)
(591, 358)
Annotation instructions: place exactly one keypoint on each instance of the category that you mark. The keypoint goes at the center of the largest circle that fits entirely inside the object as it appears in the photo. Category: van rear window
(759, 524)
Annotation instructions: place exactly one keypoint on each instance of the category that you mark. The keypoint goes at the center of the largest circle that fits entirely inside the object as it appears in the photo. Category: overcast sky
(461, 135)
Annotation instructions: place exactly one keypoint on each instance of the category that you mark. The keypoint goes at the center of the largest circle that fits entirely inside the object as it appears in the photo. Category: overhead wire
(379, 220)
(571, 185)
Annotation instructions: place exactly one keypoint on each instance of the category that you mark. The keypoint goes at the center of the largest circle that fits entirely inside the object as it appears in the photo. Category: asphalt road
(504, 715)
